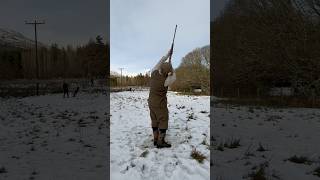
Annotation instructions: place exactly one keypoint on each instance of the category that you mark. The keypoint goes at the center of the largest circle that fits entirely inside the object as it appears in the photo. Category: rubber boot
(155, 137)
(161, 143)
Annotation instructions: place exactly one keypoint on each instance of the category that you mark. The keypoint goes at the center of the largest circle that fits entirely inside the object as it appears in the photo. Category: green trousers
(159, 117)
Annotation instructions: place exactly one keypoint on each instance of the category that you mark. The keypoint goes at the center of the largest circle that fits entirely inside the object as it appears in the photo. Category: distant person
(92, 82)
(65, 87)
(76, 91)
(162, 76)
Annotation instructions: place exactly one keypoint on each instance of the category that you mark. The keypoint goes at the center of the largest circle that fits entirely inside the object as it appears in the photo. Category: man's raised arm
(162, 60)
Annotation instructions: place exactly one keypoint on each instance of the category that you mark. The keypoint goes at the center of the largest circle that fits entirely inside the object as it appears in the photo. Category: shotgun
(174, 36)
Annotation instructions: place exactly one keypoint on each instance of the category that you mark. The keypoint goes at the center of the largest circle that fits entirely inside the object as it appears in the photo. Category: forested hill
(18, 60)
(263, 44)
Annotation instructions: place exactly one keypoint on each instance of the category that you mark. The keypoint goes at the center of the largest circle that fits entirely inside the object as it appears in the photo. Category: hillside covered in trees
(89, 60)
(260, 44)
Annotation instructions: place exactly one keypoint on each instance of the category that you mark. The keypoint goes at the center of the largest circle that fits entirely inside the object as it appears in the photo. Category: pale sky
(141, 31)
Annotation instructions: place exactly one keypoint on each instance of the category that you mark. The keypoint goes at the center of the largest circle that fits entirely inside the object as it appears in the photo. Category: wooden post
(35, 23)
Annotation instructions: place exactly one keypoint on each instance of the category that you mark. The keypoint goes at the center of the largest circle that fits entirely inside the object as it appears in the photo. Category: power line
(36, 23)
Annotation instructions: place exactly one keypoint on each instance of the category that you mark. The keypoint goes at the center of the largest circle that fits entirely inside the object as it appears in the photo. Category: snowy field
(38, 133)
(276, 143)
(52, 138)
(133, 155)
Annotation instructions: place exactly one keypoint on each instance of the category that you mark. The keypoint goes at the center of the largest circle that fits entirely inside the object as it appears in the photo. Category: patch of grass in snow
(248, 152)
(316, 172)
(261, 148)
(180, 107)
(258, 175)
(300, 160)
(204, 142)
(274, 102)
(274, 118)
(144, 154)
(259, 172)
(220, 147)
(3, 170)
(190, 93)
(232, 143)
(191, 116)
(197, 156)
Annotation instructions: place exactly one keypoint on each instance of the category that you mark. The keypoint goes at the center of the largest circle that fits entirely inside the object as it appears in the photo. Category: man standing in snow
(65, 87)
(162, 76)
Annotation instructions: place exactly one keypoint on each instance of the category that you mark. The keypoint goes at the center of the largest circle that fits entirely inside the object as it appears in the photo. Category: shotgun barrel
(174, 36)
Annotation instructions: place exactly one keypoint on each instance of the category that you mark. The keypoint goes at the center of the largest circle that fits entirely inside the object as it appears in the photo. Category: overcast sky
(142, 30)
(67, 21)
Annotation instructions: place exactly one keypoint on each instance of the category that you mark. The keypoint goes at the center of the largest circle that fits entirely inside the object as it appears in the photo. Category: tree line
(124, 81)
(86, 61)
(260, 44)
(192, 73)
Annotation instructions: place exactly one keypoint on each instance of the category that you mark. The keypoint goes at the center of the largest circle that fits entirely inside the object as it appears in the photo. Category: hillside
(11, 38)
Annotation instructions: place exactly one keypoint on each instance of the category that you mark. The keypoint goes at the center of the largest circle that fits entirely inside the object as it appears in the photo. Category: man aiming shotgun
(162, 76)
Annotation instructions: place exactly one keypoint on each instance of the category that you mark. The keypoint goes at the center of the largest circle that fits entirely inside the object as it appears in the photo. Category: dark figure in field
(162, 75)
(92, 82)
(76, 91)
(65, 87)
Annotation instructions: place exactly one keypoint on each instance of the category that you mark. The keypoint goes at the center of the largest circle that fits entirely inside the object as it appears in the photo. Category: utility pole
(121, 78)
(36, 23)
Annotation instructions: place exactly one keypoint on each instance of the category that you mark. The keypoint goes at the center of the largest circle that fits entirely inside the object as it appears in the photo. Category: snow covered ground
(133, 155)
(39, 133)
(52, 138)
(282, 135)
